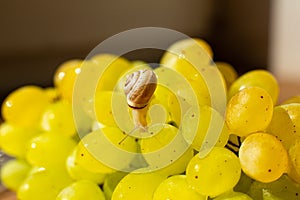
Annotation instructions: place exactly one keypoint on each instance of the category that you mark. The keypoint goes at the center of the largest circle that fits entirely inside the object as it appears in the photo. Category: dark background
(38, 35)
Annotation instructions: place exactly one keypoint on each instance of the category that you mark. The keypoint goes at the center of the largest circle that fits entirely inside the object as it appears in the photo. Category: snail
(139, 88)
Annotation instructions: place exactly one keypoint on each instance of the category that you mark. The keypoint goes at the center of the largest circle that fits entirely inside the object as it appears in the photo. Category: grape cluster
(191, 148)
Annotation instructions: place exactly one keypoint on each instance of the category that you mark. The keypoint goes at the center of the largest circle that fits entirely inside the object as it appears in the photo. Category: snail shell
(139, 88)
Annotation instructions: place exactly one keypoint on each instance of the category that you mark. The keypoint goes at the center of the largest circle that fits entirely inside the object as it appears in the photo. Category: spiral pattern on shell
(139, 88)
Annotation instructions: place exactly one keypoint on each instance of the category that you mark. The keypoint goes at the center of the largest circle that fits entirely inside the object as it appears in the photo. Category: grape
(79, 173)
(228, 72)
(14, 139)
(112, 67)
(49, 150)
(294, 99)
(214, 174)
(52, 94)
(110, 183)
(167, 99)
(233, 196)
(65, 77)
(257, 154)
(250, 110)
(63, 69)
(176, 187)
(293, 110)
(58, 118)
(13, 173)
(43, 184)
(164, 146)
(294, 155)
(204, 121)
(281, 189)
(257, 78)
(24, 106)
(82, 189)
(137, 186)
(283, 127)
(95, 150)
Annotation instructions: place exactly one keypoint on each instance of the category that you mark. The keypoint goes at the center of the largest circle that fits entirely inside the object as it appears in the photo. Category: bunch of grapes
(205, 133)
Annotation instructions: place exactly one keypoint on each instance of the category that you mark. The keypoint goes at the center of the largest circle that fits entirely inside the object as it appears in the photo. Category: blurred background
(38, 35)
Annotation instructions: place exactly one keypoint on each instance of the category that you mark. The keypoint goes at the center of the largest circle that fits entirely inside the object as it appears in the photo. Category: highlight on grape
(184, 128)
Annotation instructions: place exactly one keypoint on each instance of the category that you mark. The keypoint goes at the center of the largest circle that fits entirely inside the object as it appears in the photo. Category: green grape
(82, 189)
(281, 189)
(257, 154)
(176, 188)
(110, 183)
(49, 150)
(294, 155)
(257, 78)
(249, 111)
(197, 123)
(214, 174)
(228, 72)
(79, 173)
(243, 184)
(14, 139)
(294, 99)
(233, 196)
(65, 77)
(283, 127)
(95, 150)
(43, 184)
(137, 186)
(58, 118)
(165, 149)
(13, 173)
(24, 106)
(111, 67)
(63, 69)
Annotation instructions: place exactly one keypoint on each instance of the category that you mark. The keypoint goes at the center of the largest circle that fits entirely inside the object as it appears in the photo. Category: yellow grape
(82, 189)
(13, 173)
(249, 111)
(294, 99)
(52, 94)
(112, 67)
(198, 123)
(58, 118)
(49, 150)
(43, 184)
(231, 195)
(77, 172)
(165, 149)
(168, 100)
(228, 72)
(293, 109)
(263, 157)
(14, 139)
(24, 106)
(63, 69)
(95, 150)
(257, 78)
(283, 127)
(294, 155)
(137, 186)
(176, 188)
(65, 77)
(214, 174)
